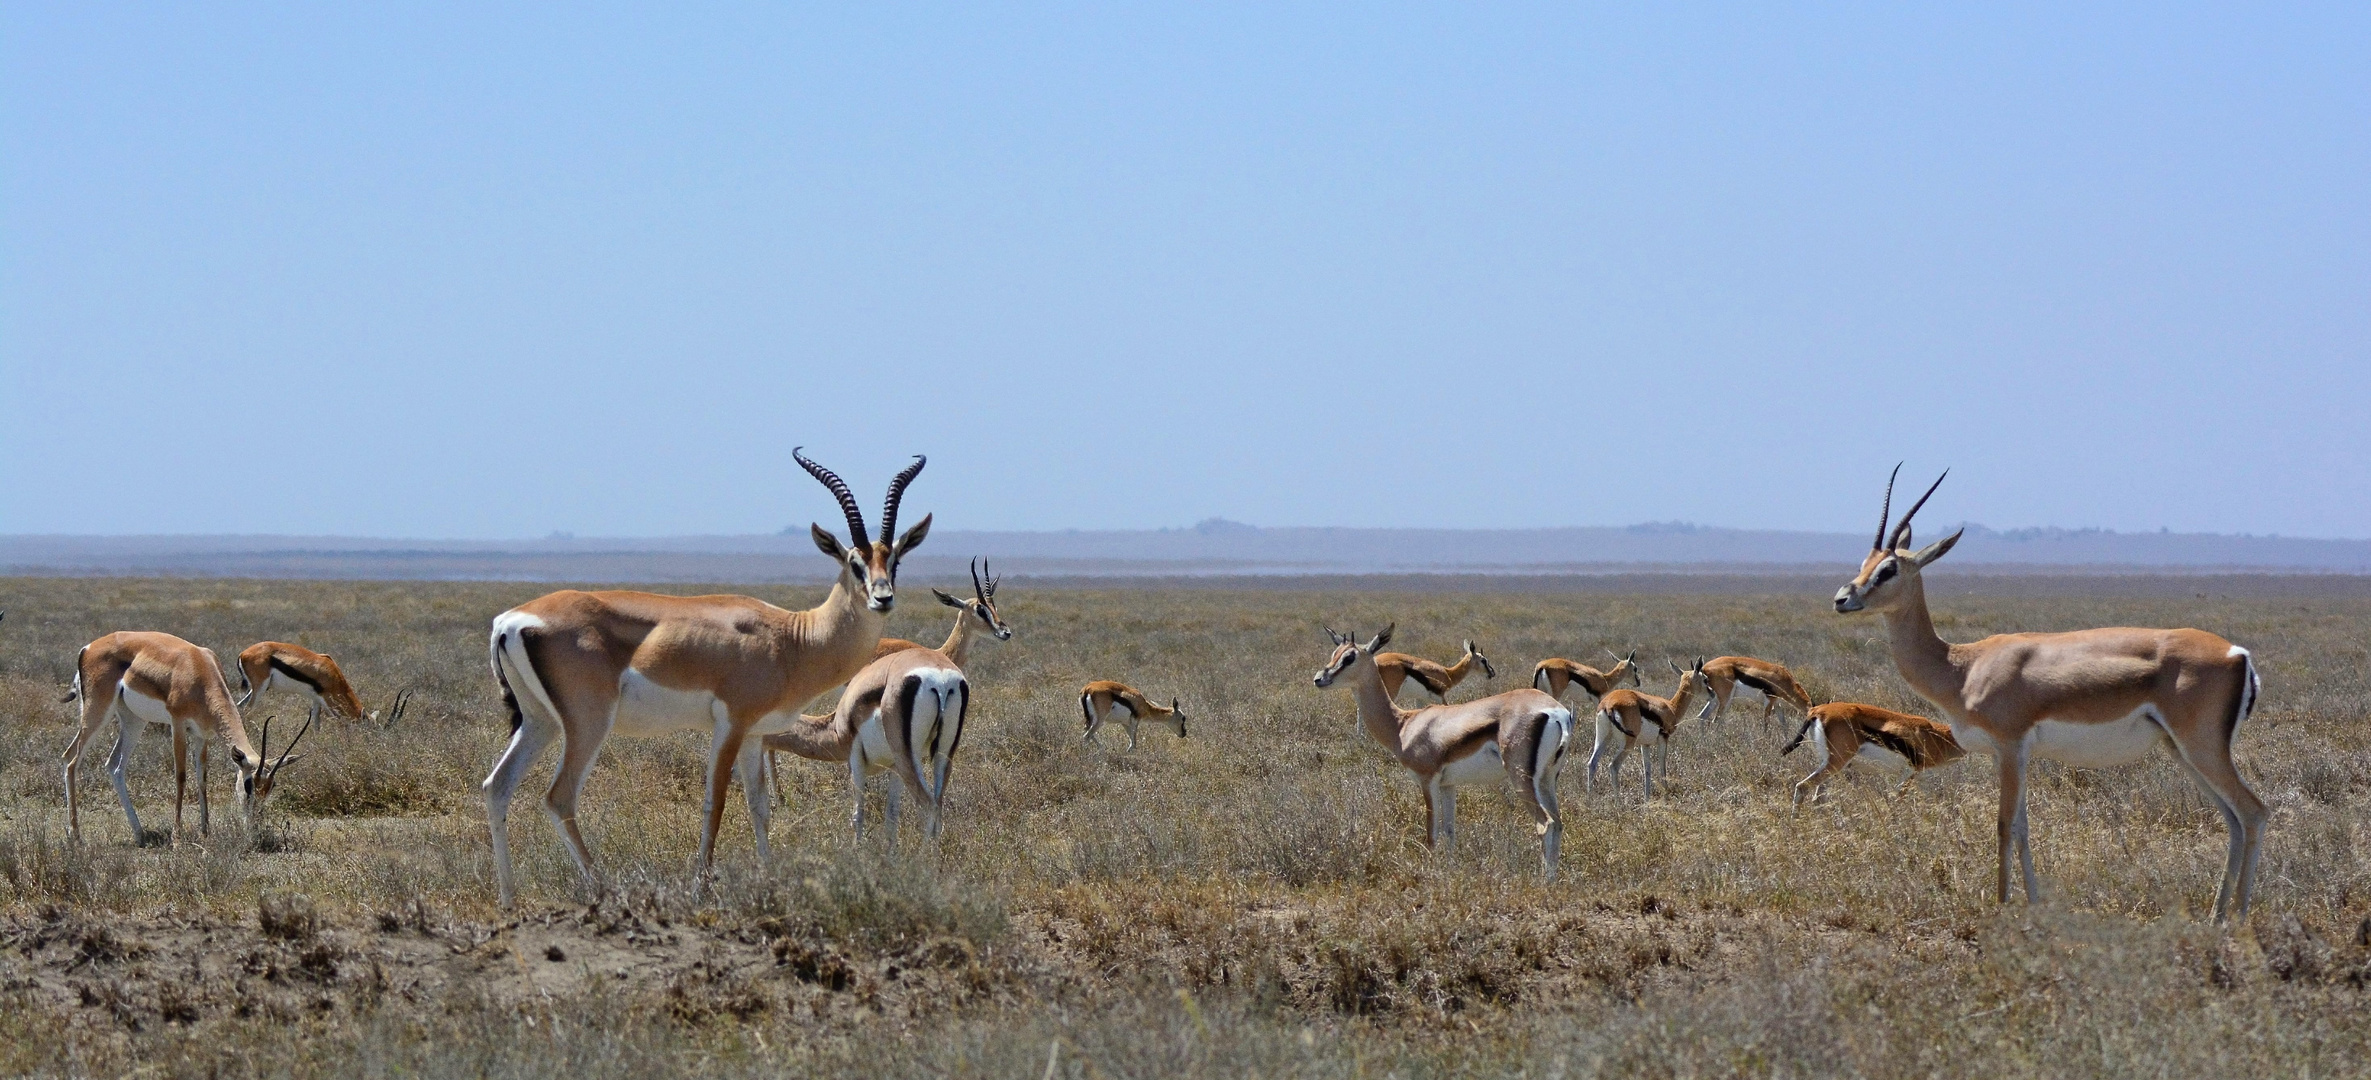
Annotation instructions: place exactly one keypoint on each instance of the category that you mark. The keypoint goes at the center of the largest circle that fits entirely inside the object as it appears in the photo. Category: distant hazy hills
(1213, 547)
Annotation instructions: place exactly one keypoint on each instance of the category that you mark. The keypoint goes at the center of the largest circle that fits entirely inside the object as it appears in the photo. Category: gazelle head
(1348, 653)
(257, 777)
(1176, 717)
(982, 604)
(1885, 575)
(1488, 670)
(871, 565)
(1623, 666)
(1691, 679)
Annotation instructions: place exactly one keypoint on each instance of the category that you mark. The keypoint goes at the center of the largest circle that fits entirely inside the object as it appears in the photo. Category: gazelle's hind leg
(2243, 814)
(181, 749)
(127, 739)
(205, 749)
(98, 704)
(535, 732)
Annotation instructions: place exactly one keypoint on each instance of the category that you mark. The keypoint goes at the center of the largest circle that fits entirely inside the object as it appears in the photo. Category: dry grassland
(1252, 901)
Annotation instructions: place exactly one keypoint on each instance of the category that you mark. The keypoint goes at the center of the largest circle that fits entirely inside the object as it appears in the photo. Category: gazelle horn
(897, 494)
(839, 490)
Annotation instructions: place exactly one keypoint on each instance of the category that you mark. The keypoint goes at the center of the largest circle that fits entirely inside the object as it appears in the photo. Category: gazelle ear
(947, 599)
(827, 543)
(912, 539)
(1936, 550)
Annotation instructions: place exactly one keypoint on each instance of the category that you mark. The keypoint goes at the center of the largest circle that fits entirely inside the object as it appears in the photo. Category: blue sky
(485, 271)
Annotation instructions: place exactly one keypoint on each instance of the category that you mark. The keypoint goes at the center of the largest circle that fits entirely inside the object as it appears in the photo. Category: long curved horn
(290, 750)
(1902, 531)
(991, 572)
(897, 494)
(977, 589)
(1885, 514)
(839, 490)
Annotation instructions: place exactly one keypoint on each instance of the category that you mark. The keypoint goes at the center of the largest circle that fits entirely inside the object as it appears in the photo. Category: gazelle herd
(575, 668)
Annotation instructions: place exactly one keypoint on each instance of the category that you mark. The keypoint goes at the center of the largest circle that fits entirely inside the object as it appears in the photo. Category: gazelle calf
(1104, 699)
(1627, 718)
(137, 678)
(2090, 698)
(1555, 675)
(1845, 732)
(1722, 674)
(904, 712)
(1518, 736)
(1398, 668)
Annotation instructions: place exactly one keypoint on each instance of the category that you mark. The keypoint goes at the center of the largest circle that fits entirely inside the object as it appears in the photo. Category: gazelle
(1519, 735)
(1104, 699)
(904, 712)
(1627, 718)
(2089, 698)
(1555, 675)
(1845, 732)
(278, 665)
(1440, 679)
(579, 667)
(974, 615)
(1723, 673)
(137, 678)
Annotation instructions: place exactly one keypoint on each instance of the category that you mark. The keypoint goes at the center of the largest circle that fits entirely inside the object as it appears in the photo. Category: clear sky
(488, 271)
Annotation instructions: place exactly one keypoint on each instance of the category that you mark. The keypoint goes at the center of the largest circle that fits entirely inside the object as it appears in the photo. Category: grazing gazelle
(278, 665)
(1627, 718)
(903, 712)
(1104, 699)
(1555, 675)
(1845, 731)
(2089, 698)
(1397, 668)
(1519, 736)
(980, 608)
(138, 678)
(1723, 673)
(579, 667)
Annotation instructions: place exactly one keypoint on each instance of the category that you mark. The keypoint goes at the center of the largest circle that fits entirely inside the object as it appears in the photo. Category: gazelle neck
(1681, 697)
(817, 738)
(1463, 666)
(1376, 712)
(1923, 658)
(960, 638)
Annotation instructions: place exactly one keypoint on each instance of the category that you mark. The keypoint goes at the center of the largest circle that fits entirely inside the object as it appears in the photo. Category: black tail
(510, 701)
(1086, 708)
(1791, 744)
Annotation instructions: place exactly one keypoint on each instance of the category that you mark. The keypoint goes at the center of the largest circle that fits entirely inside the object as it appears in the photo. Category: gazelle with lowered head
(1555, 675)
(1104, 700)
(1846, 732)
(1519, 736)
(903, 713)
(278, 665)
(1399, 668)
(2088, 698)
(1722, 674)
(1629, 718)
(137, 678)
(578, 667)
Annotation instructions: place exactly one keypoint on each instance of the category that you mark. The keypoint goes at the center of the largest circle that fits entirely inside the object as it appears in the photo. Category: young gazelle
(1723, 673)
(579, 667)
(1104, 699)
(1845, 731)
(2089, 698)
(1555, 675)
(1519, 735)
(1627, 718)
(277, 665)
(903, 712)
(1439, 679)
(138, 678)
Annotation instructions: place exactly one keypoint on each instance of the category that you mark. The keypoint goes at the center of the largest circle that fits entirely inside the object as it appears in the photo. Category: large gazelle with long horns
(138, 678)
(579, 667)
(2089, 698)
(1519, 736)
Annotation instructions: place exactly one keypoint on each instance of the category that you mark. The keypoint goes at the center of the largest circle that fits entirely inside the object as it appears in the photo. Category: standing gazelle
(2089, 698)
(579, 667)
(1555, 675)
(1104, 699)
(904, 713)
(138, 678)
(1519, 735)
(1398, 668)
(1627, 718)
(1723, 673)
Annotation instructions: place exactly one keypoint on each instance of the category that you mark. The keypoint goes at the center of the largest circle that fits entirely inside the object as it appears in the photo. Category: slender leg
(856, 790)
(891, 804)
(1432, 813)
(1131, 731)
(98, 702)
(1596, 752)
(127, 738)
(1448, 819)
(2012, 810)
(205, 757)
(2243, 814)
(752, 768)
(526, 744)
(1646, 770)
(181, 750)
(729, 737)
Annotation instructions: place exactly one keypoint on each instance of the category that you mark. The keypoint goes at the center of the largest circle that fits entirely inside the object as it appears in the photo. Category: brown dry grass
(1254, 900)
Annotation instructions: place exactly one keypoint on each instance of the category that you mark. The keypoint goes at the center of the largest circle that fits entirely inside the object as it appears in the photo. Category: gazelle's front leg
(759, 795)
(205, 756)
(180, 774)
(1432, 813)
(729, 736)
(2012, 822)
(1448, 817)
(856, 790)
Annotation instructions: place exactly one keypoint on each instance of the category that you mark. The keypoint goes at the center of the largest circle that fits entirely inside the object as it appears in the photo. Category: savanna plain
(1252, 900)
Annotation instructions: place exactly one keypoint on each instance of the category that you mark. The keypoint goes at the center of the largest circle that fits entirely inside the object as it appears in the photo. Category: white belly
(147, 709)
(1873, 754)
(2093, 746)
(1483, 766)
(646, 709)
